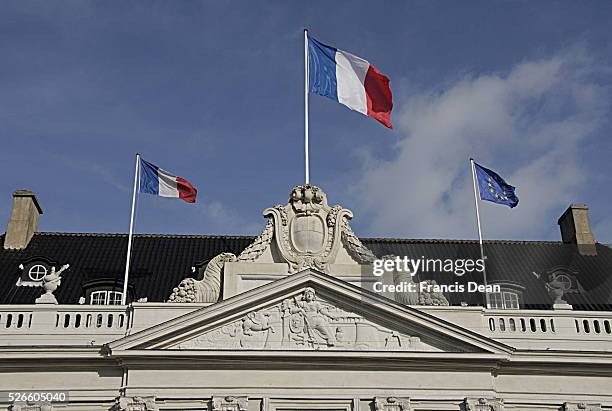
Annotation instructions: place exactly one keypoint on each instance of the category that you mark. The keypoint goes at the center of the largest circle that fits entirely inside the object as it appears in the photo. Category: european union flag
(494, 188)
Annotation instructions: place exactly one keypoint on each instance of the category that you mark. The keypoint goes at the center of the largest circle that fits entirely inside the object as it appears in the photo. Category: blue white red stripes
(349, 80)
(154, 180)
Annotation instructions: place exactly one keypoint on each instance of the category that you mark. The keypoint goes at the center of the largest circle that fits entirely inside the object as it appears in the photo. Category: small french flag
(349, 80)
(154, 180)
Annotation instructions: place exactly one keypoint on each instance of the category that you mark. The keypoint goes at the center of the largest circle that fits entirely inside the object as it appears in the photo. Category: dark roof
(527, 264)
(160, 262)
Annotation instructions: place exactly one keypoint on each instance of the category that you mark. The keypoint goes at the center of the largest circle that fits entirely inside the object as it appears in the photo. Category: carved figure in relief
(316, 317)
(304, 322)
(255, 321)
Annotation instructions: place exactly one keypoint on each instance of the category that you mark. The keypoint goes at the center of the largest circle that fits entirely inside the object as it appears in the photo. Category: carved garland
(356, 249)
(260, 244)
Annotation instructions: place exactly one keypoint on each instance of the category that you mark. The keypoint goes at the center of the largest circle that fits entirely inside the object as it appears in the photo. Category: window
(114, 297)
(506, 300)
(496, 300)
(511, 300)
(106, 297)
(37, 272)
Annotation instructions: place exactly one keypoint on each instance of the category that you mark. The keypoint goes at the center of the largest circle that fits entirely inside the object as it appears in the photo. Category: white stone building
(289, 320)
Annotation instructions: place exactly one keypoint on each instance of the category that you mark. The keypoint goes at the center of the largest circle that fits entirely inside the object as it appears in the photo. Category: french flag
(154, 180)
(349, 80)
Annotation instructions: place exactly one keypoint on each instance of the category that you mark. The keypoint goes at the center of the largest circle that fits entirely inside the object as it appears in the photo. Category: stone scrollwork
(134, 404)
(304, 322)
(392, 404)
(581, 406)
(309, 233)
(483, 404)
(229, 403)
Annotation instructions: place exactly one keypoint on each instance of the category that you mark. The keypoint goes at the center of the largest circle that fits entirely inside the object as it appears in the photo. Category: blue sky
(212, 91)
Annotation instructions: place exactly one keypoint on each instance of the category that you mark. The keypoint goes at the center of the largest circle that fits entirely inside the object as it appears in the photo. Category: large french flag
(154, 180)
(349, 80)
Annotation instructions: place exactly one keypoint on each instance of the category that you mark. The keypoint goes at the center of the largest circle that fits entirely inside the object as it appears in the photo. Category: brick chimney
(576, 228)
(23, 221)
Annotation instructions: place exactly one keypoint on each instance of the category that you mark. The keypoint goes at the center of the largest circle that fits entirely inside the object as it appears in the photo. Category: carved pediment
(304, 321)
(307, 311)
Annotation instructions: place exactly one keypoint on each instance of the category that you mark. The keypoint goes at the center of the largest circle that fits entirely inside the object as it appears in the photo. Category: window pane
(495, 300)
(98, 297)
(511, 300)
(114, 297)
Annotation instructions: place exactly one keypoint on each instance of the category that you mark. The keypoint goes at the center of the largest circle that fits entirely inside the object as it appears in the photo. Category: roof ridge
(366, 239)
(72, 234)
(455, 241)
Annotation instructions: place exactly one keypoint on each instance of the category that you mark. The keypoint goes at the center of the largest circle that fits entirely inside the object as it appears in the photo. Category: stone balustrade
(535, 329)
(57, 324)
(96, 325)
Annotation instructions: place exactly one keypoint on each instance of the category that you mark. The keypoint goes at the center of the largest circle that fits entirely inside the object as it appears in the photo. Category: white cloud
(223, 219)
(527, 124)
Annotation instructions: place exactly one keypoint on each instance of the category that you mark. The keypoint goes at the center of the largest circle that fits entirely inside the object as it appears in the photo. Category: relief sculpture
(309, 320)
(304, 322)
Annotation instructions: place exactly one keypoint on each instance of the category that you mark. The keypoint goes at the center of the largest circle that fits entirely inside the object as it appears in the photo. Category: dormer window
(33, 271)
(509, 298)
(105, 291)
(37, 272)
(105, 297)
(506, 300)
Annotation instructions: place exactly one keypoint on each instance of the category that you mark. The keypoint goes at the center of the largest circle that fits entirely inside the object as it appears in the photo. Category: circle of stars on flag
(492, 190)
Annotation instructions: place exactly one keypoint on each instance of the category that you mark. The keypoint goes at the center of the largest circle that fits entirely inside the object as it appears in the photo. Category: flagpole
(129, 247)
(476, 194)
(306, 159)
